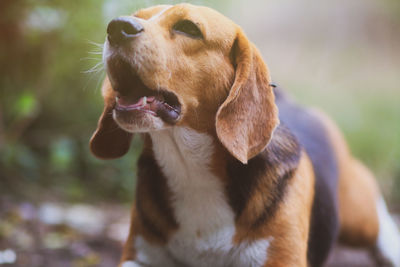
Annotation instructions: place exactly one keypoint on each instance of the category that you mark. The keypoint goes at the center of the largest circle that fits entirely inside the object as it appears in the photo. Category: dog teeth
(144, 102)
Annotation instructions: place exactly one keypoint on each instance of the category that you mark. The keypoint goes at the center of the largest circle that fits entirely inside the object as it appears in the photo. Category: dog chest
(205, 219)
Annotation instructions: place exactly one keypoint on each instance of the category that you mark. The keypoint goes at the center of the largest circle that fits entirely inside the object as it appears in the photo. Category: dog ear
(246, 119)
(109, 141)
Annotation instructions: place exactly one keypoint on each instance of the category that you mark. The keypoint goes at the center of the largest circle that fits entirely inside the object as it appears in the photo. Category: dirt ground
(82, 235)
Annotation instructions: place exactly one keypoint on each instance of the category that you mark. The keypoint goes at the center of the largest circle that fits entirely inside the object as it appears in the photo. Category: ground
(83, 235)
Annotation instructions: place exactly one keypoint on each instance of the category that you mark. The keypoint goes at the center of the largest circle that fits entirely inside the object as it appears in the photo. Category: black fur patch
(269, 171)
(152, 187)
(313, 137)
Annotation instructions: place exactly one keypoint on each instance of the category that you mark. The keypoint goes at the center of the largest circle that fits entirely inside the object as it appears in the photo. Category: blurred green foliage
(50, 78)
(49, 106)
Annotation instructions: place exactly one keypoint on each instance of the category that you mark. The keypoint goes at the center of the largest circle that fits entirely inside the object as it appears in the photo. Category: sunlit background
(341, 56)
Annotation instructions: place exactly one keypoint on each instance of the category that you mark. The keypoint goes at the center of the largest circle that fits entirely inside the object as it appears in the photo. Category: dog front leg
(138, 252)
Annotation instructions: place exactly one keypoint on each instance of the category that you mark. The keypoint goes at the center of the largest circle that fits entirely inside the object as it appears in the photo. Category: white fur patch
(145, 123)
(130, 264)
(388, 242)
(206, 220)
(152, 255)
(247, 254)
(253, 254)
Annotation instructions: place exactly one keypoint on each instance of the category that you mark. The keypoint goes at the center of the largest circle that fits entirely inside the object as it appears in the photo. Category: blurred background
(58, 204)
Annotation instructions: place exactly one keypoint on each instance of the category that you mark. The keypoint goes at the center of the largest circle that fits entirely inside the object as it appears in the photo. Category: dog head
(186, 66)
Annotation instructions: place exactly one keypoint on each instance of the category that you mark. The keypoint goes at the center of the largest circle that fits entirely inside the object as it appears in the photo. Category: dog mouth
(134, 98)
(161, 104)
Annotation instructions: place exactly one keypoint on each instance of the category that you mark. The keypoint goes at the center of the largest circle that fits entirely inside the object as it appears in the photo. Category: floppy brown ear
(246, 119)
(109, 141)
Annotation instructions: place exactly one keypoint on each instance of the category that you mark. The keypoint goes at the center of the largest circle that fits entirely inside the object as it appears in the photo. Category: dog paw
(130, 264)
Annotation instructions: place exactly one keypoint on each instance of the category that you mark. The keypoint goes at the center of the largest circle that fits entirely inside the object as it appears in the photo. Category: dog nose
(122, 29)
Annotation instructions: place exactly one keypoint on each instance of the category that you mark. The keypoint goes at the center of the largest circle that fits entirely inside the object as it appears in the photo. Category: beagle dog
(232, 172)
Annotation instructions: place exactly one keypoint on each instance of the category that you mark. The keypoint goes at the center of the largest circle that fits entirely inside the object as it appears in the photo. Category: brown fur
(223, 87)
(151, 214)
(109, 140)
(358, 193)
(288, 229)
(271, 171)
(250, 98)
(129, 251)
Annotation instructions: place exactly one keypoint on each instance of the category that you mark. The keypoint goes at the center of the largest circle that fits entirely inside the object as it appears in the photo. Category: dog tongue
(126, 103)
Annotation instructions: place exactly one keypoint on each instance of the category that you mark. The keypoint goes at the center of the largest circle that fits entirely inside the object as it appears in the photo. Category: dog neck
(181, 152)
(185, 157)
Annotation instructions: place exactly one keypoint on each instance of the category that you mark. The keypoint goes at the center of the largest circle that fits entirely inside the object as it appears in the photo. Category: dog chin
(138, 122)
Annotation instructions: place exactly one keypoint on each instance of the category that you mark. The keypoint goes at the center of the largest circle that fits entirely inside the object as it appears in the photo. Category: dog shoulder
(272, 198)
(257, 189)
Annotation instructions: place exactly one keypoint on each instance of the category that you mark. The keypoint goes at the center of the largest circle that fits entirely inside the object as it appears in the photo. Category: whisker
(89, 58)
(93, 71)
(96, 68)
(96, 52)
(100, 45)
(98, 73)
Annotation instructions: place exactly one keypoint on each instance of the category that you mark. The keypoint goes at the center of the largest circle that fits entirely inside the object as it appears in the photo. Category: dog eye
(188, 28)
